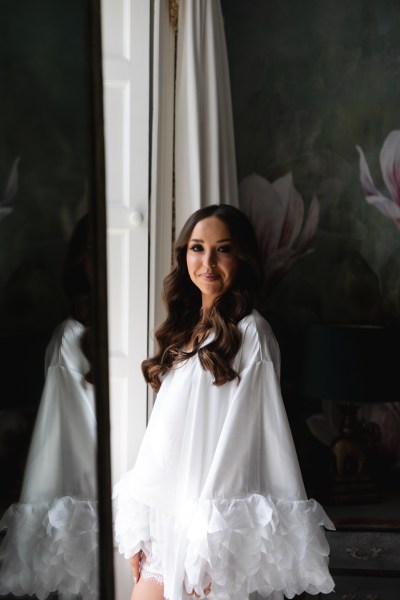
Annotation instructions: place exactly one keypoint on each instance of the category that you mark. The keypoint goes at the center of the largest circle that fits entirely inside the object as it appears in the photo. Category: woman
(215, 505)
(51, 540)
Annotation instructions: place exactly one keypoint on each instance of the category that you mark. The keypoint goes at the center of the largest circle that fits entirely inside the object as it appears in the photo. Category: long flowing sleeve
(253, 528)
(217, 480)
(51, 539)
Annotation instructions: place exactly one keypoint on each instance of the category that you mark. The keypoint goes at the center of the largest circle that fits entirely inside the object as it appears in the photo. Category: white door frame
(126, 35)
(138, 41)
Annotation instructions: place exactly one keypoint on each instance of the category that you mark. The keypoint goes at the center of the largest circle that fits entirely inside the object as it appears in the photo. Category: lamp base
(352, 489)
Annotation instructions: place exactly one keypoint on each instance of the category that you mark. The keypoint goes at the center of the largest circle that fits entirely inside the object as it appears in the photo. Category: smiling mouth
(209, 276)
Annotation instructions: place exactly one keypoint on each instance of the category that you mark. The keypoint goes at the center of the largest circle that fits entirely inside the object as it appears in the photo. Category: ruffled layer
(132, 525)
(258, 544)
(140, 527)
(50, 547)
(241, 545)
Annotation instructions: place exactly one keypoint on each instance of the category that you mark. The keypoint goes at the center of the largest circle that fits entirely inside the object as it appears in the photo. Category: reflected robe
(51, 542)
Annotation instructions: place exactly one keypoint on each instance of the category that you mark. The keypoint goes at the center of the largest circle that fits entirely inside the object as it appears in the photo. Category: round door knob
(136, 217)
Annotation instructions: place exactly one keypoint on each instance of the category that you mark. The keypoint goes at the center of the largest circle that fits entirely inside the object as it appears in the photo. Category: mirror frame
(97, 212)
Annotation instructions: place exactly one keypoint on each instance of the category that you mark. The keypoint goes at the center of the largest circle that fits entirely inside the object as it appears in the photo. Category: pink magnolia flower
(390, 167)
(276, 212)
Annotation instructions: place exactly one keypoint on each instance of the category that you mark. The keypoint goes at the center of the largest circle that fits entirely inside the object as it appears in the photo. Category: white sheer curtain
(205, 163)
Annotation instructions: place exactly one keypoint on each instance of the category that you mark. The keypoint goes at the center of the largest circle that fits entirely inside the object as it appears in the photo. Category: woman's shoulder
(258, 341)
(255, 326)
(64, 346)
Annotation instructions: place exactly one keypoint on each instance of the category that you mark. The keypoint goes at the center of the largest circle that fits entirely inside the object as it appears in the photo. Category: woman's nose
(209, 260)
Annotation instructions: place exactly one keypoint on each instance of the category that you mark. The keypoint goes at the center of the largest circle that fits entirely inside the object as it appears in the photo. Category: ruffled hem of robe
(243, 545)
(50, 547)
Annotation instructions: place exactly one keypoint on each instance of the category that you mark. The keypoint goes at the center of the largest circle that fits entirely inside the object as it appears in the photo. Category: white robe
(51, 542)
(216, 489)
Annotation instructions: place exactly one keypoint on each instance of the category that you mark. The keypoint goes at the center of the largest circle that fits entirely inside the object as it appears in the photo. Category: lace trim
(146, 574)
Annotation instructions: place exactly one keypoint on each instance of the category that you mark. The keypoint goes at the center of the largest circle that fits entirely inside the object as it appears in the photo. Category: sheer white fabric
(51, 540)
(205, 171)
(217, 492)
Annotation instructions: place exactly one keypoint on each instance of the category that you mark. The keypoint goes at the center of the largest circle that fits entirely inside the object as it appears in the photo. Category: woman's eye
(196, 248)
(225, 249)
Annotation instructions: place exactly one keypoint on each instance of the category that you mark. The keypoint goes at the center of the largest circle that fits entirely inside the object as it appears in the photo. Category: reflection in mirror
(56, 514)
(48, 499)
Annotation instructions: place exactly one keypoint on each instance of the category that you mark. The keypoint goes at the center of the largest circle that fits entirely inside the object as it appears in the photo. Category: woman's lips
(209, 276)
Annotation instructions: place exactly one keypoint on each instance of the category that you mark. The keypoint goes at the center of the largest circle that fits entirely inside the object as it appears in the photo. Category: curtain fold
(205, 162)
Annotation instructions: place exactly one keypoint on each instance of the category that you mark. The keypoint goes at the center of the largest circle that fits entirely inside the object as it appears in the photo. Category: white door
(125, 39)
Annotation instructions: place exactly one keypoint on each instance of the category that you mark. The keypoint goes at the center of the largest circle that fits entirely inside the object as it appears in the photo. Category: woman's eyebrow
(217, 242)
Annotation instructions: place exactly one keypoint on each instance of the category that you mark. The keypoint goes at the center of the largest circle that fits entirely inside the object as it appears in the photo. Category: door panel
(126, 28)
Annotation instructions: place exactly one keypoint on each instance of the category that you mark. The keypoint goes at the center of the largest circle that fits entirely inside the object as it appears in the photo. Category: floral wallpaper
(43, 181)
(43, 154)
(315, 91)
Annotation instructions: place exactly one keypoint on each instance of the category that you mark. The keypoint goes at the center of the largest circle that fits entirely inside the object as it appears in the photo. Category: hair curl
(183, 304)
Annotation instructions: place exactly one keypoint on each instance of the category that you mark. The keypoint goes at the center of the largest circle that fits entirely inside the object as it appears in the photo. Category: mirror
(53, 307)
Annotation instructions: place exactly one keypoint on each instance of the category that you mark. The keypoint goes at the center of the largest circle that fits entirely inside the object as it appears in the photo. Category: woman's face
(210, 259)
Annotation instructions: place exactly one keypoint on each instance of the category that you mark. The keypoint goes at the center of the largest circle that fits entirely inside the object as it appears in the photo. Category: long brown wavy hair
(78, 288)
(182, 299)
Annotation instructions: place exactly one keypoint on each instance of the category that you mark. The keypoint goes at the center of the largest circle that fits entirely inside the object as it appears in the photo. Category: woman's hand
(135, 561)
